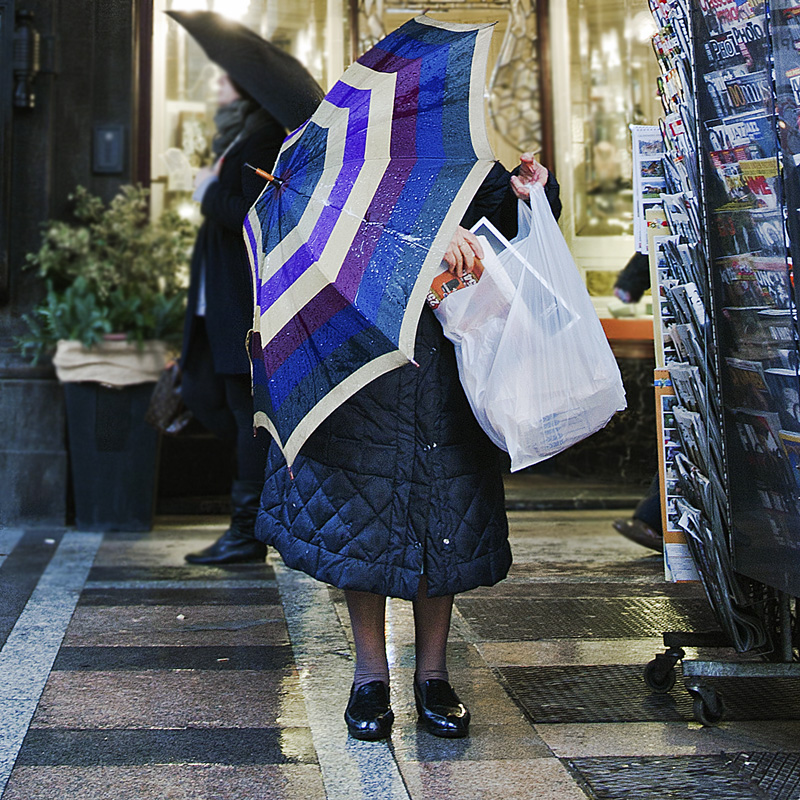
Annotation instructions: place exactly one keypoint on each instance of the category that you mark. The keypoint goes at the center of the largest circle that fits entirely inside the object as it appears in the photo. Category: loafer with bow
(440, 710)
(368, 714)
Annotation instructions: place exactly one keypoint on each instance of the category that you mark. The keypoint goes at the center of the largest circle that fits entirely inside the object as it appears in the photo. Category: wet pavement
(128, 674)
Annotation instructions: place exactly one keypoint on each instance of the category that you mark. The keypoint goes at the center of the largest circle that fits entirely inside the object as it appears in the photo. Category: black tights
(223, 404)
(431, 629)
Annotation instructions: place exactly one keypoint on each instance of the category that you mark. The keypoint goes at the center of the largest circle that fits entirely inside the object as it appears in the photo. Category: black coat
(400, 479)
(635, 277)
(220, 244)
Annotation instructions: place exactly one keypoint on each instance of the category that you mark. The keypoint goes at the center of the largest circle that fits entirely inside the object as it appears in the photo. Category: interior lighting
(189, 5)
(642, 27)
(233, 9)
(186, 211)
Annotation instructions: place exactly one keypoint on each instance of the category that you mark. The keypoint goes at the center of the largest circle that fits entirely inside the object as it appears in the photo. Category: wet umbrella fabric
(344, 249)
(275, 79)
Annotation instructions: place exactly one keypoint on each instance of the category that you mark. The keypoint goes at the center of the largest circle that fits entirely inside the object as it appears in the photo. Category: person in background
(634, 280)
(399, 493)
(214, 363)
(644, 527)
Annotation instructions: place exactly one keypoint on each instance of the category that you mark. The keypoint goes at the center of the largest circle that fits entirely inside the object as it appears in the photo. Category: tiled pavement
(127, 674)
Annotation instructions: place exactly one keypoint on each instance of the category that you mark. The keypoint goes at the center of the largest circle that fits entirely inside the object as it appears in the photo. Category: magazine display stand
(729, 390)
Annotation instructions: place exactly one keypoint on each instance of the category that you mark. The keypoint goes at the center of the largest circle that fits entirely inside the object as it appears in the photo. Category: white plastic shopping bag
(532, 355)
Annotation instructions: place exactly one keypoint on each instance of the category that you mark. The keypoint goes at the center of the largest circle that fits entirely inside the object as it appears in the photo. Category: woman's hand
(462, 252)
(531, 172)
(204, 173)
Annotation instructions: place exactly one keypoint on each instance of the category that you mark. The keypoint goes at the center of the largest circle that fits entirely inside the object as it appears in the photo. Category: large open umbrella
(275, 79)
(345, 243)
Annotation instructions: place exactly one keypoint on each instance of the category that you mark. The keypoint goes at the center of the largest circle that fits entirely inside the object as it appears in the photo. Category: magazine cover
(784, 389)
(687, 385)
(648, 178)
(747, 384)
(774, 282)
(739, 283)
(790, 440)
(759, 436)
(779, 324)
(693, 437)
(750, 330)
(678, 563)
(748, 136)
(446, 283)
(752, 280)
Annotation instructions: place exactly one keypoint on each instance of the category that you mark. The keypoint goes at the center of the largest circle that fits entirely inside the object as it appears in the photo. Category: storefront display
(728, 322)
(604, 79)
(184, 81)
(740, 112)
(727, 301)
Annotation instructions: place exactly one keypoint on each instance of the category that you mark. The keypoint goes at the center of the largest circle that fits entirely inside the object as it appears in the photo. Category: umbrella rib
(404, 237)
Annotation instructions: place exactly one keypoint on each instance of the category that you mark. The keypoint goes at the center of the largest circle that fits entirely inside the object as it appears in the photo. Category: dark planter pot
(114, 456)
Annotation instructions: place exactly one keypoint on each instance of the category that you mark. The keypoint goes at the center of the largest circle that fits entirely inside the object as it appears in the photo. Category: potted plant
(114, 303)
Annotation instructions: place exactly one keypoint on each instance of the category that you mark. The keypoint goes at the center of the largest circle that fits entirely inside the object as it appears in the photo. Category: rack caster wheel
(657, 679)
(659, 674)
(707, 706)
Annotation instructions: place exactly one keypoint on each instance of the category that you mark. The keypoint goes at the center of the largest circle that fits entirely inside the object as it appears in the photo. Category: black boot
(238, 545)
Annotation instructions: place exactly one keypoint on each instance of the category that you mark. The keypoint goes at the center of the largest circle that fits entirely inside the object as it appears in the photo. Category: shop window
(616, 71)
(185, 81)
(604, 79)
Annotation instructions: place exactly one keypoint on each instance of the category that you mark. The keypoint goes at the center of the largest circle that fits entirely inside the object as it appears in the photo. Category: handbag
(167, 412)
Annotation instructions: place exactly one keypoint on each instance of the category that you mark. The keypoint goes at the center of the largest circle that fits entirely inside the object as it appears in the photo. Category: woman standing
(399, 493)
(215, 364)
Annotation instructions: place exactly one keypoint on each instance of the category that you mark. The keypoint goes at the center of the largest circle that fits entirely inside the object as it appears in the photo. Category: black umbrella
(275, 79)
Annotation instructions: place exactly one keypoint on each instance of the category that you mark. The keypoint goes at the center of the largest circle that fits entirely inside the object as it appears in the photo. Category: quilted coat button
(446, 541)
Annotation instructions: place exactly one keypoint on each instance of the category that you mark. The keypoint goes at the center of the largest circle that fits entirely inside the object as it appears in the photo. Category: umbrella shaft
(265, 175)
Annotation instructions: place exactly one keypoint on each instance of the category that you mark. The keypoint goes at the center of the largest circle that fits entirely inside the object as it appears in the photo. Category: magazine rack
(727, 336)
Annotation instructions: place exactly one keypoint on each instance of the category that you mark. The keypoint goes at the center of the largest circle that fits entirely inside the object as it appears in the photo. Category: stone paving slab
(165, 626)
(168, 782)
(171, 699)
(120, 747)
(596, 740)
(181, 657)
(543, 779)
(141, 699)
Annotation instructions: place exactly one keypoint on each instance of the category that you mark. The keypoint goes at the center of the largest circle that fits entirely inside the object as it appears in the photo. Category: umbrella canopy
(275, 79)
(371, 191)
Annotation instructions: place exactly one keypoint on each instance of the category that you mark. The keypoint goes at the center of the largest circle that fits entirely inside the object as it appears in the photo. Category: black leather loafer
(440, 710)
(368, 714)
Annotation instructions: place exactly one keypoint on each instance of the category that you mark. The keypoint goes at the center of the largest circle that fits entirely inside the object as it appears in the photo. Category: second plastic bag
(533, 359)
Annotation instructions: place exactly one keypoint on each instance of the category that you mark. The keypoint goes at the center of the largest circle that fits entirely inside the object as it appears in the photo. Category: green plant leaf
(111, 269)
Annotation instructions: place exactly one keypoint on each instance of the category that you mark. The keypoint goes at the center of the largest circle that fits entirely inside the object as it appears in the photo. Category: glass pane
(613, 72)
(185, 81)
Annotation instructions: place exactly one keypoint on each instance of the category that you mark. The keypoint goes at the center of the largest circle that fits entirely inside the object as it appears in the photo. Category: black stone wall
(87, 78)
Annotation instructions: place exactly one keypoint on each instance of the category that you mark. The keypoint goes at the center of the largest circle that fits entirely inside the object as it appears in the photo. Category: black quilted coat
(400, 480)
